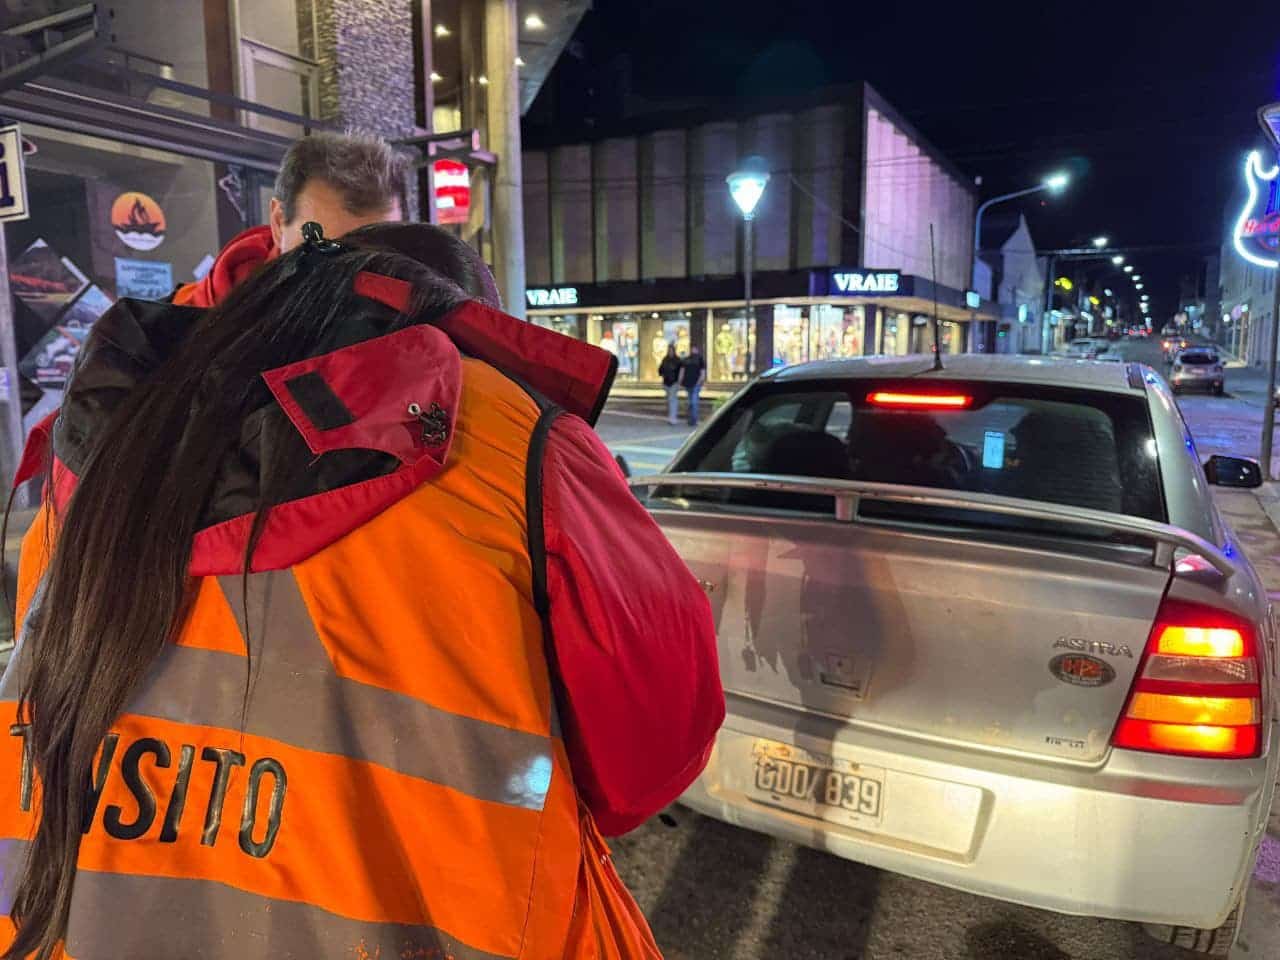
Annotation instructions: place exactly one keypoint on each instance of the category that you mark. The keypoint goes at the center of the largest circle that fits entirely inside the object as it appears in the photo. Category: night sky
(1150, 105)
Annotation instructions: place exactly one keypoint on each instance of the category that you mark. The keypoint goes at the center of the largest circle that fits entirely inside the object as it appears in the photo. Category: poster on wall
(138, 221)
(92, 304)
(45, 281)
(50, 362)
(143, 279)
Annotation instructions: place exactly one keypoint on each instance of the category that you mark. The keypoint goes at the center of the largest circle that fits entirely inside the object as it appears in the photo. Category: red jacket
(237, 261)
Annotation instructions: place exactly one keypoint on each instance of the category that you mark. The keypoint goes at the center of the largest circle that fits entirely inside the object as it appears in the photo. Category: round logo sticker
(138, 221)
(1081, 669)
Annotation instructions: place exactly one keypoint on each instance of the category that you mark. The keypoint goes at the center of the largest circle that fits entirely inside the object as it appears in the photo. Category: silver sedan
(985, 626)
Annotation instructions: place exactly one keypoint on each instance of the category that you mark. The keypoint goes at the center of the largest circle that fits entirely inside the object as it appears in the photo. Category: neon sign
(1257, 233)
(867, 281)
(552, 297)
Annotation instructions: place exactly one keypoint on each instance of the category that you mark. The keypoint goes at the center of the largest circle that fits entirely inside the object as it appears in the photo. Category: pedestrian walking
(693, 374)
(669, 371)
(346, 640)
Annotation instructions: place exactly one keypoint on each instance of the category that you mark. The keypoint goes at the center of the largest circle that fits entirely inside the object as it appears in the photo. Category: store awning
(918, 306)
(65, 105)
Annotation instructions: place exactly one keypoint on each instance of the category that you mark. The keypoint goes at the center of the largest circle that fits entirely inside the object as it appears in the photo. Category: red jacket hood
(238, 259)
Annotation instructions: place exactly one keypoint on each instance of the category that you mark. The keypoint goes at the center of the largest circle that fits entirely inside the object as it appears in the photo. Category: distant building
(1009, 272)
(633, 241)
(1246, 295)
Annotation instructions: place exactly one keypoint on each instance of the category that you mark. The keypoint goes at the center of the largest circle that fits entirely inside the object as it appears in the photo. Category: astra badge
(1081, 670)
(1094, 646)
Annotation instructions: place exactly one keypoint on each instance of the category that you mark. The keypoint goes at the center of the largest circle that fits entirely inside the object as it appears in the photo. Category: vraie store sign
(552, 296)
(866, 281)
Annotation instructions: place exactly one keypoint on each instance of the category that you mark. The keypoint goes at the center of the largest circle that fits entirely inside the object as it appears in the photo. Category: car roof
(1048, 371)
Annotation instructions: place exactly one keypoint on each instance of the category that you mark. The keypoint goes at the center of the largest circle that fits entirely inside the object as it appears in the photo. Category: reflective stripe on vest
(393, 785)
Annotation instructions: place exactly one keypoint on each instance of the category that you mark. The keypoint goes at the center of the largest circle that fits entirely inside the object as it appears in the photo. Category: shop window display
(790, 335)
(733, 340)
(622, 339)
(570, 326)
(837, 332)
(895, 335)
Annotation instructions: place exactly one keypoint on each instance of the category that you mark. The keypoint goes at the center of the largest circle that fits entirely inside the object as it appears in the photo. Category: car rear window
(1055, 445)
(1198, 359)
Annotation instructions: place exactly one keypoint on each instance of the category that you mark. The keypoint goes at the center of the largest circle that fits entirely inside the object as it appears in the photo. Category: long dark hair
(117, 587)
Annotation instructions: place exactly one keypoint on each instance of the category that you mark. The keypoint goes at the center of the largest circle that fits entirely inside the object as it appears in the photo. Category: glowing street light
(1107, 291)
(1118, 259)
(1137, 286)
(1128, 268)
(1056, 182)
(746, 186)
(1100, 242)
(1137, 276)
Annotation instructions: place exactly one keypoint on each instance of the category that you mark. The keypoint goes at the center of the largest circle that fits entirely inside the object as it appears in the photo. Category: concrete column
(501, 43)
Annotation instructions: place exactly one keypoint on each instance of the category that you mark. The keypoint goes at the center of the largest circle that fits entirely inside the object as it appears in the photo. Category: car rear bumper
(1143, 838)
(1207, 383)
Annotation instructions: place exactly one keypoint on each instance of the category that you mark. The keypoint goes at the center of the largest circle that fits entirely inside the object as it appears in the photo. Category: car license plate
(818, 785)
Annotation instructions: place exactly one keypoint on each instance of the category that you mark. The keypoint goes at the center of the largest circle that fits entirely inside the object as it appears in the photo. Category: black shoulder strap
(533, 508)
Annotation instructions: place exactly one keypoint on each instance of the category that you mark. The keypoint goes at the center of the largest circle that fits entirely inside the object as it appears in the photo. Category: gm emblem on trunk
(1081, 669)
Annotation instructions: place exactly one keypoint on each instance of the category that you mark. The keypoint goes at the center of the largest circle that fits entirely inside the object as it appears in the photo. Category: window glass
(1075, 448)
(837, 332)
(790, 335)
(732, 341)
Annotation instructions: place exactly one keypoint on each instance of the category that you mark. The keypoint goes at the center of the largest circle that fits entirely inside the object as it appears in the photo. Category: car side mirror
(626, 467)
(1233, 472)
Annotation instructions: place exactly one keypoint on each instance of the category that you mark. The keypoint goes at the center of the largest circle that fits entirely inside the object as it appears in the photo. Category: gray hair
(367, 173)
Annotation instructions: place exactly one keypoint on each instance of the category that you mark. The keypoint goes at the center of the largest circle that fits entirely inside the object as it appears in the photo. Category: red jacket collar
(569, 373)
(238, 259)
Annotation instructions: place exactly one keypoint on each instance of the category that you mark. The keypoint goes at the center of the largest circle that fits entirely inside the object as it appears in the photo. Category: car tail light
(1197, 692)
(920, 401)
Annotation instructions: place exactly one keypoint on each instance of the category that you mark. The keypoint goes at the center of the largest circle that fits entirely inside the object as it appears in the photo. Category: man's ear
(276, 219)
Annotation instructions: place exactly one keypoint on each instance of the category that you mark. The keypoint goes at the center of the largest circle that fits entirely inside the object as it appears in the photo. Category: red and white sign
(453, 191)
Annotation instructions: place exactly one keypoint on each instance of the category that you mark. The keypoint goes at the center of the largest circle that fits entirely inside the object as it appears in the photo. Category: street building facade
(633, 241)
(1009, 273)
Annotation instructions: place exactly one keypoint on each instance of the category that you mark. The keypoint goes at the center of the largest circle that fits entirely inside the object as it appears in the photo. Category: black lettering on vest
(94, 792)
(225, 759)
(130, 770)
(178, 799)
(23, 730)
(249, 815)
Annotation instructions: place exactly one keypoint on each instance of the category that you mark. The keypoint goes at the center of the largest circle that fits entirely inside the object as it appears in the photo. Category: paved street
(716, 892)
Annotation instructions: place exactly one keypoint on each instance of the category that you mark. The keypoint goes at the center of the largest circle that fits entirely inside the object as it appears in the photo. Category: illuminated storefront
(799, 317)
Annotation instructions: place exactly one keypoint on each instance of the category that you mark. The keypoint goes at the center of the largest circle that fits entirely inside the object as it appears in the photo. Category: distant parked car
(1197, 368)
(1087, 348)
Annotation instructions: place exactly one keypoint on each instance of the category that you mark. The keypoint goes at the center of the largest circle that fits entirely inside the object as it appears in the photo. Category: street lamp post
(746, 186)
(1055, 183)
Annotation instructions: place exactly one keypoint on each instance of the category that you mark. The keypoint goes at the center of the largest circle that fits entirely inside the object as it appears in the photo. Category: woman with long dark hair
(338, 638)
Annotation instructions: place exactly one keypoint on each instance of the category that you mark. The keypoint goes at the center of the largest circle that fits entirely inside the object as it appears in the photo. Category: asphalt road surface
(716, 892)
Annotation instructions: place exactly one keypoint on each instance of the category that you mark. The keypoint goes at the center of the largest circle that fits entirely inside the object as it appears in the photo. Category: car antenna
(937, 339)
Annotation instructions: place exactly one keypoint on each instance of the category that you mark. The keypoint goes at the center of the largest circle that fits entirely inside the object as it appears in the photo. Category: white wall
(906, 192)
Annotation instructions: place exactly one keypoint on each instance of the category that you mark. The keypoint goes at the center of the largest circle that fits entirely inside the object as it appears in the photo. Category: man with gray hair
(341, 181)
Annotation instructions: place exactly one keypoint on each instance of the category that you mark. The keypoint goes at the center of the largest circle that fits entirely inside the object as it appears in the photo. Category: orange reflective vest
(383, 779)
